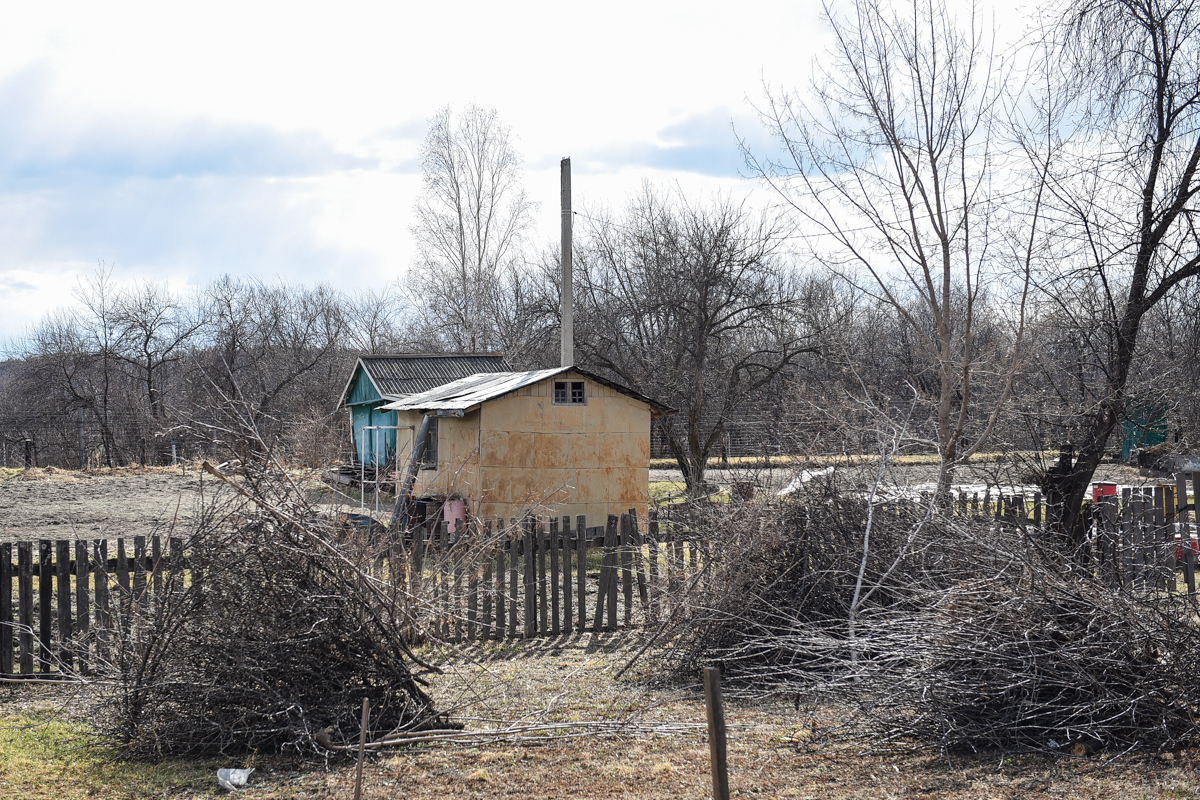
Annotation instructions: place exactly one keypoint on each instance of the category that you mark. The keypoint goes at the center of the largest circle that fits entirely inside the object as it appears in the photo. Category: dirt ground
(572, 679)
(64, 504)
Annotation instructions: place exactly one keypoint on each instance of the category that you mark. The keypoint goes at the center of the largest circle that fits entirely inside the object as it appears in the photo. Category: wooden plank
(83, 606)
(175, 564)
(1109, 510)
(139, 572)
(542, 599)
(1164, 549)
(1147, 541)
(6, 609)
(489, 588)
(123, 590)
(460, 553)
(156, 567)
(443, 603)
(611, 543)
(652, 558)
(554, 545)
(568, 575)
(418, 561)
(62, 587)
(1167, 537)
(45, 608)
(472, 556)
(626, 552)
(581, 569)
(514, 557)
(103, 608)
(1184, 528)
(25, 604)
(501, 595)
(1189, 554)
(639, 564)
(1125, 539)
(529, 579)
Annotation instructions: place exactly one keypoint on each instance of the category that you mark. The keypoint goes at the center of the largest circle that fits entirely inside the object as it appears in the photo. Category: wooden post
(652, 559)
(362, 749)
(555, 620)
(1125, 539)
(62, 585)
(6, 609)
(156, 567)
(25, 604)
(716, 732)
(45, 593)
(626, 548)
(83, 606)
(1189, 555)
(568, 575)
(514, 555)
(489, 587)
(639, 565)
(530, 580)
(103, 608)
(611, 541)
(581, 569)
(501, 594)
(460, 551)
(542, 599)
(123, 585)
(139, 572)
(472, 555)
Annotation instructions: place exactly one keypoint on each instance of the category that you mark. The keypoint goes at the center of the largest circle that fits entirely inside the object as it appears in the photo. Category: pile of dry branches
(269, 640)
(936, 631)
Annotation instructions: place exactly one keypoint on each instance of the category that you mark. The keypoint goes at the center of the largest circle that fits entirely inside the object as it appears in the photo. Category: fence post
(25, 603)
(555, 620)
(581, 568)
(716, 732)
(568, 575)
(45, 591)
(62, 585)
(6, 609)
(1189, 560)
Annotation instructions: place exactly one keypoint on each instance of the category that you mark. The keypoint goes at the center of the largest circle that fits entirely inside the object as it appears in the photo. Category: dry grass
(44, 754)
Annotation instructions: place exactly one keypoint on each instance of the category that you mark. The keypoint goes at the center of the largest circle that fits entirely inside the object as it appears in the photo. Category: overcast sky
(178, 142)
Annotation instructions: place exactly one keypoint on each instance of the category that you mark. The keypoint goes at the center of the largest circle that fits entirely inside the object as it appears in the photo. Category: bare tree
(155, 328)
(692, 306)
(471, 220)
(891, 171)
(1127, 76)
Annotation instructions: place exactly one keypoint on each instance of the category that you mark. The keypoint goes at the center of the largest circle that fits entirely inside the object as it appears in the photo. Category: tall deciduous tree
(691, 305)
(889, 165)
(1127, 77)
(471, 221)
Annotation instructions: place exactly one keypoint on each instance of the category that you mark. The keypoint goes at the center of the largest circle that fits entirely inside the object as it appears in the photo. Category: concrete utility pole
(568, 293)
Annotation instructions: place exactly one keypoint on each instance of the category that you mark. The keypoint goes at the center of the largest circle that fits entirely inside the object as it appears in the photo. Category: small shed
(381, 379)
(555, 442)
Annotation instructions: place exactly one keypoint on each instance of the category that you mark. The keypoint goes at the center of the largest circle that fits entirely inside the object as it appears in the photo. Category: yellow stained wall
(522, 452)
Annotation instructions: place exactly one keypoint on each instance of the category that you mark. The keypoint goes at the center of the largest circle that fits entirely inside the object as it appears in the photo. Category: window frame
(568, 389)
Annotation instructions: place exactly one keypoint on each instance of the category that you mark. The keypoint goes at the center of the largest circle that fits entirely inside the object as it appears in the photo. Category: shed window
(430, 458)
(569, 393)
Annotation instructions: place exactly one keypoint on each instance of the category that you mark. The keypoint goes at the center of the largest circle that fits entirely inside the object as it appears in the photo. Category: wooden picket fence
(494, 581)
(490, 581)
(48, 604)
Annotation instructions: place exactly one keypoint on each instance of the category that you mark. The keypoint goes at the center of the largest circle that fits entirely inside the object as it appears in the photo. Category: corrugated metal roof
(467, 393)
(401, 375)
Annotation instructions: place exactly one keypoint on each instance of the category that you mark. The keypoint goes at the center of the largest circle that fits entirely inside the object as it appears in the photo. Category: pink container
(455, 514)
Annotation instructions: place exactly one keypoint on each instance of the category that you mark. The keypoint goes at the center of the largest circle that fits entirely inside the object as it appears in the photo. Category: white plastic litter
(233, 779)
(804, 477)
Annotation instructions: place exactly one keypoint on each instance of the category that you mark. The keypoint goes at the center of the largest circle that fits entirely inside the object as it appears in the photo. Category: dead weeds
(571, 678)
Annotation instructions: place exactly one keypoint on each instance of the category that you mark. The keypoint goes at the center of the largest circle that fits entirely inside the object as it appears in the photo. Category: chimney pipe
(568, 296)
